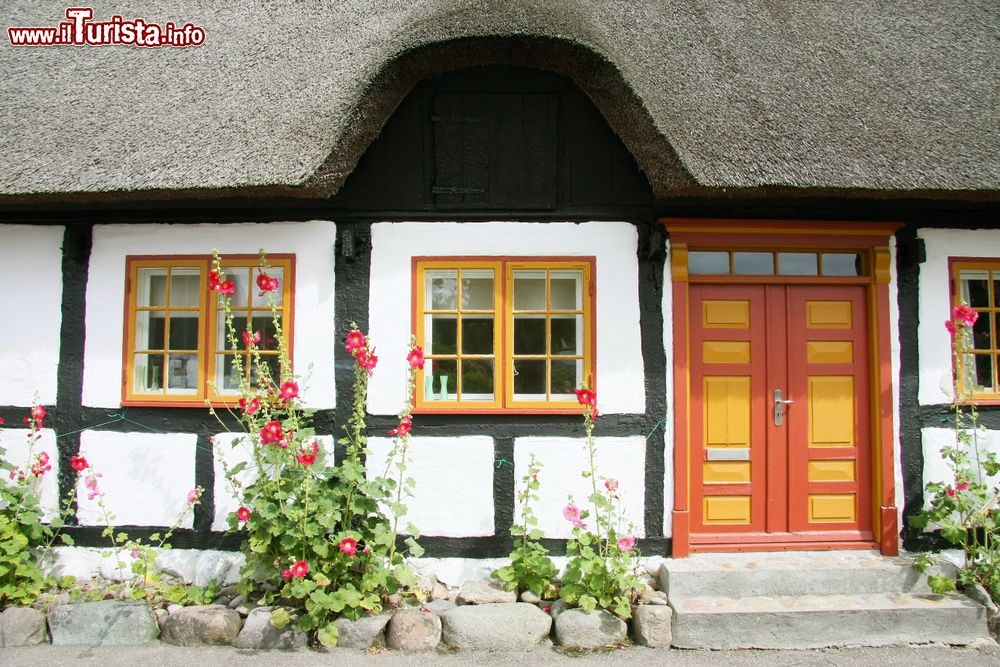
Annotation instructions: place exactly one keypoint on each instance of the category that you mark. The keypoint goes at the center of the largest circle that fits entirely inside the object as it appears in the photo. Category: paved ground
(160, 655)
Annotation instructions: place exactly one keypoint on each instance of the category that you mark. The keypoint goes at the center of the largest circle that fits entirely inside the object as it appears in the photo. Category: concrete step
(818, 621)
(789, 573)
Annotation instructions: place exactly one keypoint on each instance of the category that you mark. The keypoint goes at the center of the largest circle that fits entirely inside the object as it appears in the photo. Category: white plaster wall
(226, 496)
(31, 270)
(453, 484)
(563, 460)
(620, 385)
(667, 308)
(936, 468)
(15, 441)
(145, 477)
(312, 243)
(934, 342)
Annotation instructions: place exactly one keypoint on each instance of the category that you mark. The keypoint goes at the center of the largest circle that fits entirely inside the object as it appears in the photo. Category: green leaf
(328, 635)
(940, 584)
(280, 617)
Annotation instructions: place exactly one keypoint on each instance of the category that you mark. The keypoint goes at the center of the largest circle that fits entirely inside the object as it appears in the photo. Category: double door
(780, 428)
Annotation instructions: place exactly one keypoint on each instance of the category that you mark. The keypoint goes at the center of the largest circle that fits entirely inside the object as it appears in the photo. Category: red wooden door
(780, 417)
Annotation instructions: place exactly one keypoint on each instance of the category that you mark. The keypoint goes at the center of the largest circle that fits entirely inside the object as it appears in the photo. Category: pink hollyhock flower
(38, 414)
(586, 397)
(950, 491)
(134, 552)
(289, 390)
(243, 514)
(300, 569)
(611, 485)
(626, 543)
(271, 433)
(962, 486)
(90, 483)
(286, 574)
(266, 283)
(1, 421)
(355, 342)
(251, 339)
(251, 407)
(965, 315)
(950, 326)
(416, 357)
(349, 546)
(194, 496)
(41, 465)
(78, 462)
(572, 514)
(308, 457)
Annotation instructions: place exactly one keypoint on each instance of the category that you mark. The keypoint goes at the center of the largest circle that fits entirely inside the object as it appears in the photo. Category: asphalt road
(161, 655)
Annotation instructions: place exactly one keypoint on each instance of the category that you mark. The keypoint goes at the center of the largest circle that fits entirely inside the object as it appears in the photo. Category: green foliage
(316, 533)
(530, 566)
(603, 562)
(967, 510)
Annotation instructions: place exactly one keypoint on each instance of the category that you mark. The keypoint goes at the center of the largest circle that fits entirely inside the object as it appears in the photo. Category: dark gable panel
(495, 139)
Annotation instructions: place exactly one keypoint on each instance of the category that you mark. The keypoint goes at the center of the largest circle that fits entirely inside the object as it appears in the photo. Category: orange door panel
(780, 432)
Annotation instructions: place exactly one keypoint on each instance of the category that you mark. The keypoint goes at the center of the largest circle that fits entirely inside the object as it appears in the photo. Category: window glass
(841, 264)
(798, 264)
(753, 263)
(529, 290)
(702, 262)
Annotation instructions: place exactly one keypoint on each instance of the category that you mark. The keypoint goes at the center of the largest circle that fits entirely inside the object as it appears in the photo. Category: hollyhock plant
(251, 406)
(367, 360)
(243, 514)
(626, 543)
(355, 342)
(194, 496)
(300, 569)
(416, 357)
(307, 456)
(289, 390)
(41, 465)
(251, 339)
(272, 433)
(266, 283)
(78, 463)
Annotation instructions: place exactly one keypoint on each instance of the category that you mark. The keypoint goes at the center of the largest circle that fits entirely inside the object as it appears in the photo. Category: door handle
(779, 407)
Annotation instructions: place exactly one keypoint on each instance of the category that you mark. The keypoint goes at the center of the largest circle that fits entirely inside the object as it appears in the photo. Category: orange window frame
(956, 265)
(503, 334)
(207, 310)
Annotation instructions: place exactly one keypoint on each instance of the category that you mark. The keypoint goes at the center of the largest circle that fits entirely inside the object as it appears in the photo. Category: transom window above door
(503, 334)
(781, 263)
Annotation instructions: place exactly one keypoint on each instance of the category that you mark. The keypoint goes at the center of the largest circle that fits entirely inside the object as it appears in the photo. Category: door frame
(871, 241)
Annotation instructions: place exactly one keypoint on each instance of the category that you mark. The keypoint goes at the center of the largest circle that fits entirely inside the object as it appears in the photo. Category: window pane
(798, 264)
(152, 287)
(529, 334)
(567, 290)
(477, 379)
(441, 287)
(271, 363)
(753, 263)
(183, 331)
(981, 339)
(182, 373)
(841, 264)
(529, 290)
(567, 334)
(440, 384)
(529, 379)
(702, 263)
(275, 295)
(477, 289)
(567, 375)
(442, 334)
(984, 373)
(477, 335)
(996, 290)
(975, 288)
(240, 297)
(148, 369)
(226, 379)
(185, 286)
(264, 324)
(149, 329)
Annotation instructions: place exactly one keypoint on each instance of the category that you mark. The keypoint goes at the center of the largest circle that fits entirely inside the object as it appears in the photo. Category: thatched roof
(285, 95)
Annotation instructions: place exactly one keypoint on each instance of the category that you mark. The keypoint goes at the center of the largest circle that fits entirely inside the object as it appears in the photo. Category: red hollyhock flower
(308, 457)
(286, 574)
(243, 514)
(586, 397)
(266, 283)
(355, 342)
(950, 491)
(349, 546)
(251, 407)
(367, 360)
(950, 326)
(404, 427)
(38, 413)
(1, 421)
(227, 287)
(962, 486)
(300, 569)
(416, 357)
(78, 462)
(965, 315)
(271, 433)
(289, 390)
(249, 338)
(41, 465)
